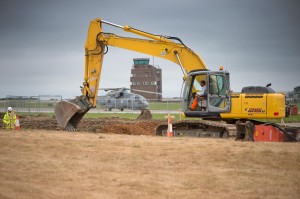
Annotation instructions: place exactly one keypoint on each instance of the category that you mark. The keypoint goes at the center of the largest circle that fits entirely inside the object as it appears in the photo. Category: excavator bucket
(69, 113)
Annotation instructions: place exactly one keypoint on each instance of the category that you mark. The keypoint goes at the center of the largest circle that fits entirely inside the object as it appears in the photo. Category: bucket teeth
(69, 113)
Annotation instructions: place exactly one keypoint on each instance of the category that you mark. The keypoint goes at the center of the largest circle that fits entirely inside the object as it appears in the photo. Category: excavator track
(199, 128)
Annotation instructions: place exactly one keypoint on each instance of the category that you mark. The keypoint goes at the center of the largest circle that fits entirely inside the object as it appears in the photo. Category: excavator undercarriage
(199, 128)
(242, 130)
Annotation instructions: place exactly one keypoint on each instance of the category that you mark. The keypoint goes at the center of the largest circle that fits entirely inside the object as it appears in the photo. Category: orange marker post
(170, 127)
(17, 123)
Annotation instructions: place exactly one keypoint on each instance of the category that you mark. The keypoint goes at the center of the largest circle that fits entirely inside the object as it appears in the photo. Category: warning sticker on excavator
(255, 110)
(93, 78)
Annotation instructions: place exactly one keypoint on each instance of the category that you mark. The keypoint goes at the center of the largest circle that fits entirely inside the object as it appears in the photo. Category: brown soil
(103, 125)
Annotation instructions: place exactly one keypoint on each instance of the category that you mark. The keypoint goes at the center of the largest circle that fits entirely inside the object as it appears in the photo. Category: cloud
(42, 42)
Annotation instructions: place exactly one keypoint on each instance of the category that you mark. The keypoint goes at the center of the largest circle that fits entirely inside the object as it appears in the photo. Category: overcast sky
(42, 42)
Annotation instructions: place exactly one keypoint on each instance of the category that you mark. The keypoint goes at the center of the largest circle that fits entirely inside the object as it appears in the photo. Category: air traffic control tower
(146, 77)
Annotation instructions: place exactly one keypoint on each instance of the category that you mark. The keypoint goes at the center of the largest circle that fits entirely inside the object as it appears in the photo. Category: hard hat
(9, 109)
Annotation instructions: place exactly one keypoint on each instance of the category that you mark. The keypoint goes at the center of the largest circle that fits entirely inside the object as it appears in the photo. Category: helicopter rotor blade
(114, 89)
(145, 91)
(123, 88)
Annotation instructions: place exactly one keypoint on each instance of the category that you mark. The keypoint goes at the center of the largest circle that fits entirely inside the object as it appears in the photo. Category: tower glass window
(141, 61)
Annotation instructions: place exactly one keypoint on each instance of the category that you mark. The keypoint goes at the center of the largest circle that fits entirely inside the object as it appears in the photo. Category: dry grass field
(54, 164)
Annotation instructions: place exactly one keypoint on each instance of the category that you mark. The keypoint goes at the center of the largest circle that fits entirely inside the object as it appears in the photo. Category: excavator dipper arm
(69, 113)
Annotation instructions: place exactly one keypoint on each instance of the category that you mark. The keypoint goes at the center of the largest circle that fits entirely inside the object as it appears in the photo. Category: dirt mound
(119, 126)
(2, 115)
(131, 128)
(145, 115)
(103, 125)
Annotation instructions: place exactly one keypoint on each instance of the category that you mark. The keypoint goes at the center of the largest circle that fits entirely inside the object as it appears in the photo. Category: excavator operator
(202, 95)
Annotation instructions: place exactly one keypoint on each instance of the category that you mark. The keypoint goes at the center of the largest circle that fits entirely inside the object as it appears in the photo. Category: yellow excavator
(218, 103)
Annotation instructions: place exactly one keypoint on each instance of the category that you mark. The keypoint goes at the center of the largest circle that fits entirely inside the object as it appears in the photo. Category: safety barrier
(46, 104)
(30, 104)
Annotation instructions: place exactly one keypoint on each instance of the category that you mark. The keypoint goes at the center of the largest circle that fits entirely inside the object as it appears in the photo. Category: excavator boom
(69, 113)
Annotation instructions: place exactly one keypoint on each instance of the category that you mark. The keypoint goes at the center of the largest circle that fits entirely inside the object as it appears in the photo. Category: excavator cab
(213, 94)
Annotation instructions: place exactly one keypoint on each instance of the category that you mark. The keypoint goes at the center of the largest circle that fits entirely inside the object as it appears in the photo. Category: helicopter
(120, 98)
